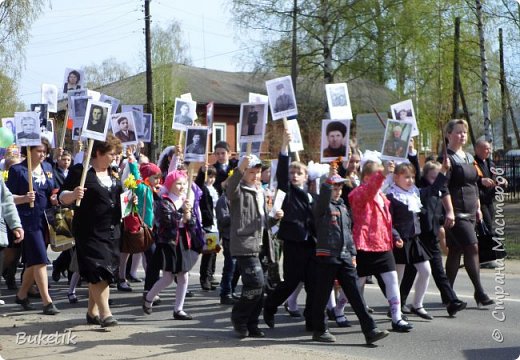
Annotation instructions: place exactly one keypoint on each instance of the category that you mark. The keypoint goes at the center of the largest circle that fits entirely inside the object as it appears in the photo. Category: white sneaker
(2, 302)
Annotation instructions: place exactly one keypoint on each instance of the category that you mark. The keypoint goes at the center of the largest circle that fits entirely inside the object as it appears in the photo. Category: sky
(72, 34)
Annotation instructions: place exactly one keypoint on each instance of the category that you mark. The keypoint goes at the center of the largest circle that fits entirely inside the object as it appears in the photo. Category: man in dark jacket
(298, 234)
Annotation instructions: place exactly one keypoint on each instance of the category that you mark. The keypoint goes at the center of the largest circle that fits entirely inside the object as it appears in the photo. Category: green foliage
(109, 71)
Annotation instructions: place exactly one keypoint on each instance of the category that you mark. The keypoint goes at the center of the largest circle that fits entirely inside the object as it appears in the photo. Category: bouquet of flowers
(131, 221)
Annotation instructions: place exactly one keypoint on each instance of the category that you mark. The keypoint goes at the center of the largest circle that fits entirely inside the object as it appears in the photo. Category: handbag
(136, 236)
(488, 249)
(59, 223)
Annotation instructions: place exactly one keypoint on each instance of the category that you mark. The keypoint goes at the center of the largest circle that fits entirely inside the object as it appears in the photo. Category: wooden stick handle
(206, 158)
(248, 148)
(86, 161)
(190, 180)
(29, 173)
(64, 129)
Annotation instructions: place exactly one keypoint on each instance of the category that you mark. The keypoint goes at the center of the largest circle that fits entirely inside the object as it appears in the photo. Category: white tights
(421, 282)
(165, 281)
(392, 293)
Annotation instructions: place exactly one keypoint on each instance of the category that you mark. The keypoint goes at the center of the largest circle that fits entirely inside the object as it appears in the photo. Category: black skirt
(373, 263)
(175, 258)
(412, 252)
(462, 234)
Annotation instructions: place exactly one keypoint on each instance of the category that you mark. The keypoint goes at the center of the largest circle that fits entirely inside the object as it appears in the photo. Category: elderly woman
(97, 226)
(460, 223)
(34, 248)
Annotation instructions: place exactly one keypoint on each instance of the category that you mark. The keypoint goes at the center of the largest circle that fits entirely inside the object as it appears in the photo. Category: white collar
(411, 197)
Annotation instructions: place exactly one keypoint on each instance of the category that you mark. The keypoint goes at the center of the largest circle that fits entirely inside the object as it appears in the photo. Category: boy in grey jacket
(335, 259)
(8, 217)
(249, 217)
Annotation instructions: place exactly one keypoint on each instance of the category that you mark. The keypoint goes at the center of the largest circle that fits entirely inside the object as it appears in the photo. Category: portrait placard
(296, 143)
(253, 117)
(110, 100)
(334, 139)
(95, 125)
(137, 110)
(41, 109)
(28, 130)
(50, 97)
(77, 125)
(78, 106)
(196, 144)
(9, 124)
(281, 97)
(210, 108)
(255, 147)
(184, 114)
(338, 100)
(370, 132)
(403, 111)
(147, 135)
(123, 127)
(397, 139)
(273, 183)
(48, 132)
(73, 79)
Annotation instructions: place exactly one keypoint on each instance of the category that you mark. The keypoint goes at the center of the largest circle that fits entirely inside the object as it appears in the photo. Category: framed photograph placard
(334, 139)
(95, 125)
(403, 111)
(281, 97)
(253, 117)
(196, 144)
(110, 100)
(28, 131)
(397, 139)
(338, 100)
(296, 143)
(138, 116)
(73, 79)
(210, 114)
(50, 97)
(123, 127)
(185, 113)
(148, 123)
(9, 123)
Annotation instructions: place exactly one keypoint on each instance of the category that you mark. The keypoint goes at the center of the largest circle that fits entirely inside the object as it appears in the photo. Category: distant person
(28, 127)
(196, 147)
(252, 120)
(124, 134)
(183, 117)
(336, 132)
(96, 121)
(283, 100)
(72, 81)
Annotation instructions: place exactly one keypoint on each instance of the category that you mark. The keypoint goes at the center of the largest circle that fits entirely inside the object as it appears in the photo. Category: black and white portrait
(27, 128)
(48, 132)
(252, 121)
(196, 142)
(137, 110)
(95, 125)
(334, 139)
(110, 100)
(403, 111)
(296, 143)
(281, 97)
(9, 124)
(184, 114)
(73, 80)
(397, 138)
(78, 106)
(43, 114)
(147, 134)
(123, 127)
(338, 101)
(50, 97)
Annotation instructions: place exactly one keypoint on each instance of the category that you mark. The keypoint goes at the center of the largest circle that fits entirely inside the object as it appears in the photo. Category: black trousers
(207, 267)
(297, 267)
(431, 244)
(248, 308)
(487, 214)
(324, 274)
(153, 269)
(62, 262)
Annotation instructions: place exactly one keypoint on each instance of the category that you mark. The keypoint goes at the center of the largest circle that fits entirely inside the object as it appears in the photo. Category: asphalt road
(473, 334)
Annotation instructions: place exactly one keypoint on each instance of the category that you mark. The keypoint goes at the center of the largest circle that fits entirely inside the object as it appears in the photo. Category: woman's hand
(30, 197)
(18, 235)
(399, 244)
(449, 221)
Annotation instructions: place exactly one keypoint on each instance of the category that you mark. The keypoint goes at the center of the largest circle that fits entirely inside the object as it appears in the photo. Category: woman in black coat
(97, 226)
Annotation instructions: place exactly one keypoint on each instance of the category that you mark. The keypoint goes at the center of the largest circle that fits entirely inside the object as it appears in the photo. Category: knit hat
(172, 177)
(149, 169)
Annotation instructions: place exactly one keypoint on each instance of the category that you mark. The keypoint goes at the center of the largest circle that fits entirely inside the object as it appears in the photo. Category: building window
(219, 133)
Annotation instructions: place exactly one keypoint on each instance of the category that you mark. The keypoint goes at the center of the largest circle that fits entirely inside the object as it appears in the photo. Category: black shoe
(256, 332)
(227, 300)
(330, 314)
(421, 314)
(342, 323)
(206, 286)
(93, 320)
(401, 326)
(26, 304)
(375, 335)
(483, 300)
(189, 293)
(324, 337)
(269, 318)
(134, 279)
(241, 330)
(73, 299)
(124, 286)
(369, 310)
(455, 306)
(109, 321)
(56, 274)
(178, 315)
(295, 314)
(50, 309)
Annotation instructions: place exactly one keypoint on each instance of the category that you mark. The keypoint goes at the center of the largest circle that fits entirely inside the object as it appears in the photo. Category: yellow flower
(130, 182)
(5, 173)
(49, 174)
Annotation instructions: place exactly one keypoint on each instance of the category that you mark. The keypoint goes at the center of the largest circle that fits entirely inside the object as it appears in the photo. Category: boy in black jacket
(335, 259)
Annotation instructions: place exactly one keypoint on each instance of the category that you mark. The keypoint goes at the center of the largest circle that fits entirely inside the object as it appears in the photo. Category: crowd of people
(334, 230)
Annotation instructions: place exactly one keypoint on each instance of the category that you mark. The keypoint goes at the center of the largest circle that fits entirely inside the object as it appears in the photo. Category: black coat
(297, 223)
(486, 194)
(223, 174)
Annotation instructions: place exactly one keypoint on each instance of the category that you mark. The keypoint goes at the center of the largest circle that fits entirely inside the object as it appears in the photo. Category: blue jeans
(246, 311)
(227, 271)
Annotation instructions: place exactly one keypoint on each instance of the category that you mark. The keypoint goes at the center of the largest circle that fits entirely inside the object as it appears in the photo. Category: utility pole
(294, 48)
(149, 86)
